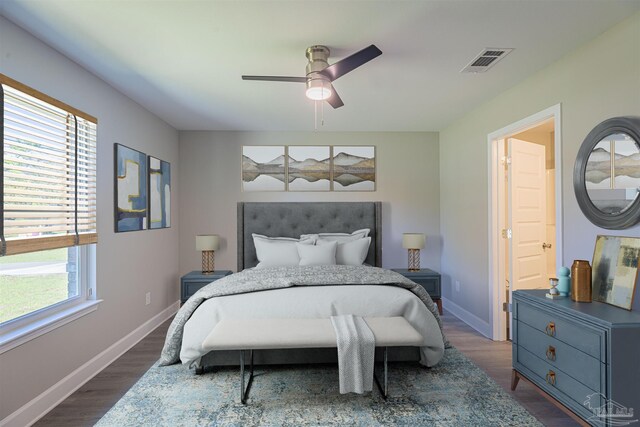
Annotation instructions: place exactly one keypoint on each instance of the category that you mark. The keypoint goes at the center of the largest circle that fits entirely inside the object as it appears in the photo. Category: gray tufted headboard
(291, 219)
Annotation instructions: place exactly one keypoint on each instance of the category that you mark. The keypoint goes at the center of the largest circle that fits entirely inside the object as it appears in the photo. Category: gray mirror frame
(629, 125)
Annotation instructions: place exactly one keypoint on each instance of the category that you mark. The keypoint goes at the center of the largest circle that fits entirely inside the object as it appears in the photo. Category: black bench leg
(244, 393)
(383, 391)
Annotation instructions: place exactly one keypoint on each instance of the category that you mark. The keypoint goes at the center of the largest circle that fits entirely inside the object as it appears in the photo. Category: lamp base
(414, 259)
(207, 262)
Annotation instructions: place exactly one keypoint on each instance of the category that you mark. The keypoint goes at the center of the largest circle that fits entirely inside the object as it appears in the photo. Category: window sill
(16, 337)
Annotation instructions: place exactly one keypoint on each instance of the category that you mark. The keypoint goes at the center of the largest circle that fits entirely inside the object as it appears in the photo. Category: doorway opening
(525, 211)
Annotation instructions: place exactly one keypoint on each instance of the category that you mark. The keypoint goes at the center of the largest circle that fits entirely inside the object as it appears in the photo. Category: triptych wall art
(308, 168)
(142, 191)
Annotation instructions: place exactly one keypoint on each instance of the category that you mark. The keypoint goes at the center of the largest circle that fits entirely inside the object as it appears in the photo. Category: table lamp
(207, 244)
(413, 242)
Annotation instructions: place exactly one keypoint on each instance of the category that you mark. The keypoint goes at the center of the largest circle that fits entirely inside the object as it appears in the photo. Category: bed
(316, 298)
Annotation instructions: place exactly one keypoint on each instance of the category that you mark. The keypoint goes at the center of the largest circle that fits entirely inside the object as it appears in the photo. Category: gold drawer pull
(551, 329)
(551, 378)
(551, 353)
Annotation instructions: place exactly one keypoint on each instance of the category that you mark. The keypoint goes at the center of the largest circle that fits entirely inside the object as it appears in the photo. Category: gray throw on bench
(356, 352)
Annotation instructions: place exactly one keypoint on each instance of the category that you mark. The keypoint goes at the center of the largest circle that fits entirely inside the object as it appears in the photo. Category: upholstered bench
(263, 334)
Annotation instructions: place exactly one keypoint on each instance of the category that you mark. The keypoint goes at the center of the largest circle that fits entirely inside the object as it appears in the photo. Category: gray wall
(597, 81)
(407, 184)
(128, 264)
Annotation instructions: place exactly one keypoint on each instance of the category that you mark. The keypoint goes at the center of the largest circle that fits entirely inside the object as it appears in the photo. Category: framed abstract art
(159, 193)
(615, 270)
(130, 190)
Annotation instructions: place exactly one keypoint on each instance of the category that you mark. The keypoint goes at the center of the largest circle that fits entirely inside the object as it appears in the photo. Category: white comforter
(315, 302)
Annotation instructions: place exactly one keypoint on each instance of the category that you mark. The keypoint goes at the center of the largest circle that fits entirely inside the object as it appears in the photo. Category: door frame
(496, 195)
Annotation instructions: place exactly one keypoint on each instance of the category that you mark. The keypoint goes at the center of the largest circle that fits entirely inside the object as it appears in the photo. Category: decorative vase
(581, 281)
(563, 281)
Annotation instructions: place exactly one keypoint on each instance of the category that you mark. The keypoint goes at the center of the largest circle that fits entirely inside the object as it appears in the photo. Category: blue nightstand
(190, 283)
(428, 279)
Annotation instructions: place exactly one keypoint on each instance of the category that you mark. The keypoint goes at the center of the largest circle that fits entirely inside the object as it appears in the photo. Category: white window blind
(49, 173)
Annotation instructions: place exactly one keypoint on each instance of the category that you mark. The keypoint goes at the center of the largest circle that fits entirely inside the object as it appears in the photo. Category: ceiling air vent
(485, 60)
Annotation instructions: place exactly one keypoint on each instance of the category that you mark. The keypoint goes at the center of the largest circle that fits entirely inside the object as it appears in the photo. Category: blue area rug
(454, 393)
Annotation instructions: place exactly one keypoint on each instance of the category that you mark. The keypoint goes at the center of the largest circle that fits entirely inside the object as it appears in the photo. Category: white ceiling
(182, 59)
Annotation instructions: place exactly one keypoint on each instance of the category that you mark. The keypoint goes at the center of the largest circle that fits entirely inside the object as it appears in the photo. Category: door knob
(546, 246)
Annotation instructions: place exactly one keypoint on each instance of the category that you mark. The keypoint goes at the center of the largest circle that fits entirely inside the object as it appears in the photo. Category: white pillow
(339, 237)
(317, 255)
(278, 251)
(350, 253)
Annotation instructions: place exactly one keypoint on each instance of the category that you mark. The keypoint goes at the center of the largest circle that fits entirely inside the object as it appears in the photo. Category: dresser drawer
(557, 383)
(192, 282)
(431, 285)
(428, 279)
(190, 287)
(581, 336)
(582, 367)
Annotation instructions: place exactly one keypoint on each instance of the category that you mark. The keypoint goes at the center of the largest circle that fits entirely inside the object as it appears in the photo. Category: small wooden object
(581, 281)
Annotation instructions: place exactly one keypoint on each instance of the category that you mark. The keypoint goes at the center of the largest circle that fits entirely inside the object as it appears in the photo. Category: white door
(526, 212)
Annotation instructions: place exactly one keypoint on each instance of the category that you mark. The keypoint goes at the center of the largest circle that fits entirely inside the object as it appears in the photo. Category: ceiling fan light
(318, 93)
(317, 90)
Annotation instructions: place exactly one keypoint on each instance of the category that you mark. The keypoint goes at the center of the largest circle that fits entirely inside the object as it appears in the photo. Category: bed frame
(291, 219)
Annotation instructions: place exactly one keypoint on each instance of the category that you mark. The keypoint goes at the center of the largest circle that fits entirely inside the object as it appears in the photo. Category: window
(48, 216)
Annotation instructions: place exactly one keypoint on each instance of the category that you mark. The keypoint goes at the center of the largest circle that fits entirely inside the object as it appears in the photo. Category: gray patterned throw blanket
(356, 353)
(254, 280)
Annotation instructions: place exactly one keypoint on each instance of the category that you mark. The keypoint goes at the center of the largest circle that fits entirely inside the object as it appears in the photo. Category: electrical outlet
(148, 298)
(457, 286)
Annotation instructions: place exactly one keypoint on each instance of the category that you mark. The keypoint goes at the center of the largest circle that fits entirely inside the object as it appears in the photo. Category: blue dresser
(584, 355)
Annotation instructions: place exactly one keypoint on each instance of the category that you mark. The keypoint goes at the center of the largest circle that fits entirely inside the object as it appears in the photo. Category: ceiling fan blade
(276, 79)
(334, 100)
(352, 62)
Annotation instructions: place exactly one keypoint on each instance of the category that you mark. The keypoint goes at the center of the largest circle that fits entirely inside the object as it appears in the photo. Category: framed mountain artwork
(309, 168)
(354, 168)
(263, 168)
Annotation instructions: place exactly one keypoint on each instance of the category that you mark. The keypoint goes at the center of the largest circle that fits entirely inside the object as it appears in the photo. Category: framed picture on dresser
(615, 270)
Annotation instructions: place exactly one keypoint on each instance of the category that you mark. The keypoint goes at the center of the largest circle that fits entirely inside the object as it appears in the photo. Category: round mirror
(607, 173)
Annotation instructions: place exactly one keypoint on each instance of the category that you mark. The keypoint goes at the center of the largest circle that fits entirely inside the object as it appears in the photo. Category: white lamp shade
(413, 240)
(318, 89)
(210, 242)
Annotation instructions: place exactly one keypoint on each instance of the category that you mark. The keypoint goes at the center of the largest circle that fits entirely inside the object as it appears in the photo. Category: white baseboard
(54, 395)
(469, 318)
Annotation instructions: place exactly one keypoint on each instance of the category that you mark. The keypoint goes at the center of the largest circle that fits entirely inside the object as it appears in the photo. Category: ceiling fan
(320, 74)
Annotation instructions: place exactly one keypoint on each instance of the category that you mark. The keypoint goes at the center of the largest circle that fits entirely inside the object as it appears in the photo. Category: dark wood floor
(87, 405)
